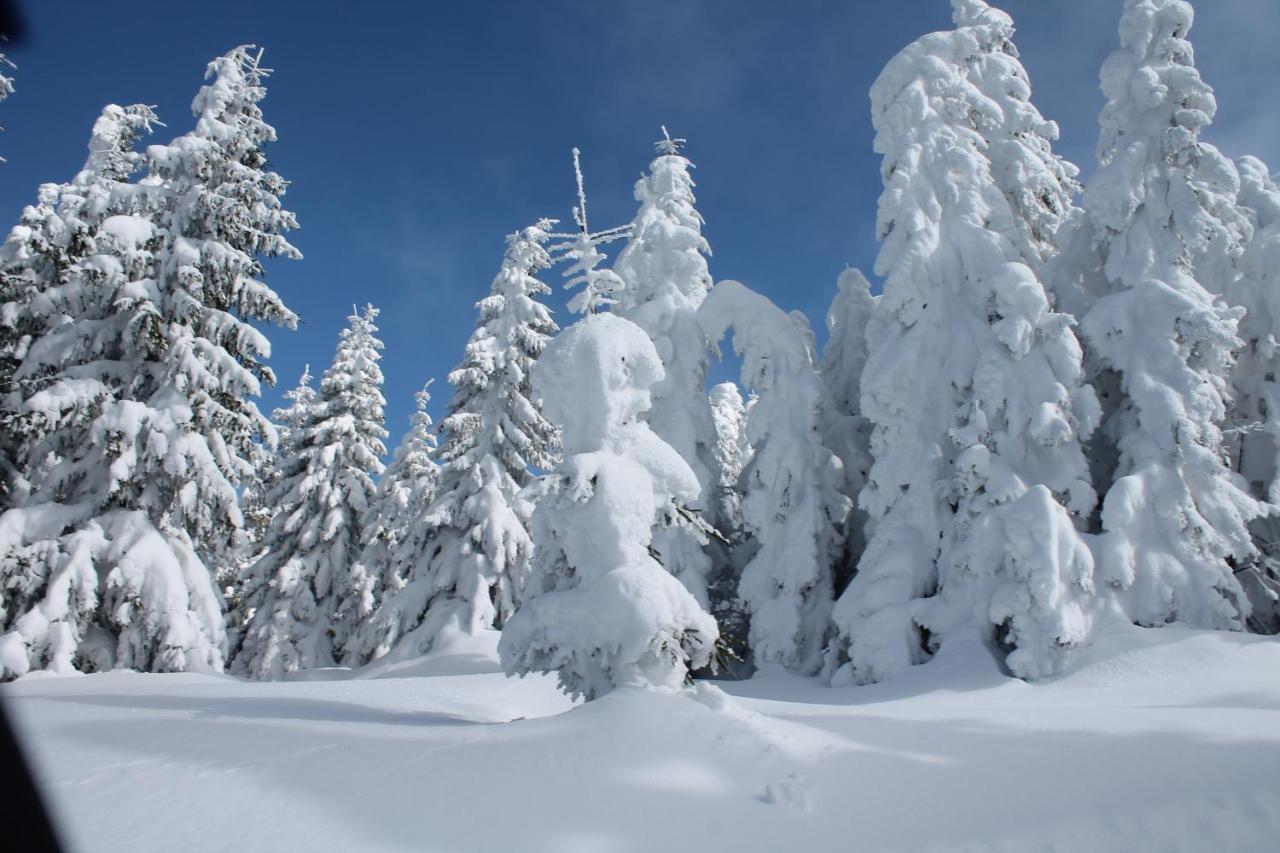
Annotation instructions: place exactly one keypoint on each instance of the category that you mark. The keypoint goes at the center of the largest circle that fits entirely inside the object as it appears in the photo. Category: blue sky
(417, 134)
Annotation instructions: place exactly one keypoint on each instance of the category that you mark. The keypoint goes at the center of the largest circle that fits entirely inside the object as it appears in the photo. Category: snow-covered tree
(973, 383)
(137, 391)
(223, 216)
(1038, 184)
(37, 259)
(664, 279)
(733, 547)
(731, 453)
(306, 589)
(844, 429)
(398, 536)
(92, 576)
(791, 501)
(476, 528)
(1160, 242)
(582, 250)
(599, 610)
(241, 589)
(1254, 414)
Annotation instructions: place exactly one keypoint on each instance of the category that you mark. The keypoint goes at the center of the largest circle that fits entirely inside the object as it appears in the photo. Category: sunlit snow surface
(1162, 740)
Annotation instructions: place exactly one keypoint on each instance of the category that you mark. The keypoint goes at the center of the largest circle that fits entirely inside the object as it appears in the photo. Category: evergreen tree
(36, 263)
(844, 429)
(397, 538)
(305, 590)
(733, 548)
(1163, 232)
(242, 590)
(1254, 414)
(582, 249)
(478, 545)
(791, 501)
(664, 279)
(973, 383)
(223, 216)
(601, 612)
(731, 453)
(141, 428)
(63, 268)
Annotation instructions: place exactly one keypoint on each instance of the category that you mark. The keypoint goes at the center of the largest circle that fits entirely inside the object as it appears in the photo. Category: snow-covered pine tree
(306, 590)
(223, 216)
(141, 400)
(478, 546)
(844, 429)
(1159, 241)
(1038, 184)
(791, 501)
(664, 279)
(53, 235)
(973, 383)
(242, 590)
(599, 609)
(1254, 414)
(731, 454)
(398, 537)
(582, 250)
(66, 370)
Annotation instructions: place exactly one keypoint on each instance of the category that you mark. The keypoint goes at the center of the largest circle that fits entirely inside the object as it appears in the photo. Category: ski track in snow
(1162, 740)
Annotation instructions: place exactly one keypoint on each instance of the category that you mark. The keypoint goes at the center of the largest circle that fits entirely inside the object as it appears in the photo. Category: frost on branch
(582, 251)
(600, 611)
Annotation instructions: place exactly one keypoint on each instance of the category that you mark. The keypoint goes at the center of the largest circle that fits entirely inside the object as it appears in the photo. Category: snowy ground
(1162, 740)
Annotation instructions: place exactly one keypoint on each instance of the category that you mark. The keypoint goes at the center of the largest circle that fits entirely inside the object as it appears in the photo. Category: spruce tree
(243, 590)
(973, 384)
(53, 235)
(601, 612)
(665, 278)
(305, 589)
(63, 268)
(1254, 413)
(844, 428)
(223, 215)
(731, 453)
(582, 250)
(791, 502)
(1162, 235)
(140, 408)
(478, 545)
(397, 536)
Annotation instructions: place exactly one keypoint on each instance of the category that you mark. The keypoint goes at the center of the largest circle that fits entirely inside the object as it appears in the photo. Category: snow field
(1160, 740)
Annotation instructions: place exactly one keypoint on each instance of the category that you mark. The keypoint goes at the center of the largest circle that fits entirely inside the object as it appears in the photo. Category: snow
(1161, 740)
